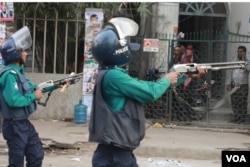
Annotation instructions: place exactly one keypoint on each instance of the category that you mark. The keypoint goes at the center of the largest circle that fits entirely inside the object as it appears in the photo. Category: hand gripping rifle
(192, 68)
(72, 79)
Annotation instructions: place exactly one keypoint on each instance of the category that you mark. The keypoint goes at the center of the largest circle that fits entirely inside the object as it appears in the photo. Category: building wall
(239, 18)
(239, 23)
(165, 19)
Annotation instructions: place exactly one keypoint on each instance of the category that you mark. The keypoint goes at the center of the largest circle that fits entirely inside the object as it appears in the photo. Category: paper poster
(89, 75)
(151, 45)
(94, 21)
(2, 39)
(93, 14)
(6, 11)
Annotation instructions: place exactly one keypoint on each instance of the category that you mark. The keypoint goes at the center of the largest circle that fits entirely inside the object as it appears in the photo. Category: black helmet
(111, 46)
(12, 47)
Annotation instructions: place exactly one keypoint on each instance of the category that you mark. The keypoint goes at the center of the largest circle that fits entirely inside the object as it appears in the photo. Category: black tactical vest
(124, 129)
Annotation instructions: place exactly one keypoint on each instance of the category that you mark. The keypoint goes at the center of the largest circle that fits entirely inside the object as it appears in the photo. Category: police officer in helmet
(117, 121)
(18, 100)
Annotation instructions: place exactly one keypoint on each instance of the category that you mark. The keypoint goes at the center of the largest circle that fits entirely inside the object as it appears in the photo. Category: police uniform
(22, 138)
(18, 102)
(120, 129)
(117, 120)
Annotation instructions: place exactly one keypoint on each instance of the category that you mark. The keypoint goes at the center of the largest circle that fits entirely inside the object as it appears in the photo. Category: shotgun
(72, 79)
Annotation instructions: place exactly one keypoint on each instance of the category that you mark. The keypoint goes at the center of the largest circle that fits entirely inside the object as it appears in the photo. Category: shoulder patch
(13, 71)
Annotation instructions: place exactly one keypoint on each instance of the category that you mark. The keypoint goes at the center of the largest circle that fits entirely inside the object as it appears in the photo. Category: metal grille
(59, 52)
(191, 105)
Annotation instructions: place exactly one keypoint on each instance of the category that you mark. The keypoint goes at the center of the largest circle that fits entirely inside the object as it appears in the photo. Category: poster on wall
(89, 76)
(6, 11)
(151, 45)
(2, 39)
(94, 21)
(6, 15)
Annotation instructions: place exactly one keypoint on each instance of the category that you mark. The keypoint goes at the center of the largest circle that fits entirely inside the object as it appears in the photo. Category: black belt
(112, 146)
(11, 119)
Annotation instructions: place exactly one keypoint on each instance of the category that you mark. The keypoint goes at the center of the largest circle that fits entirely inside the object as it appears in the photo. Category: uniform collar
(121, 69)
(16, 67)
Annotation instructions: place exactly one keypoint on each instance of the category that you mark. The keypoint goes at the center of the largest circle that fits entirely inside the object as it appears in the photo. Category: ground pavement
(66, 145)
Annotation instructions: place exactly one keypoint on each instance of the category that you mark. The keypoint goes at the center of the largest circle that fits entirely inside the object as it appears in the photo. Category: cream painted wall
(239, 16)
(165, 19)
(168, 15)
(238, 22)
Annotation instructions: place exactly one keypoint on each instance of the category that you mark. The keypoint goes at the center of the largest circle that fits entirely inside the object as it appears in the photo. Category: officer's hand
(67, 84)
(63, 87)
(201, 72)
(39, 94)
(172, 76)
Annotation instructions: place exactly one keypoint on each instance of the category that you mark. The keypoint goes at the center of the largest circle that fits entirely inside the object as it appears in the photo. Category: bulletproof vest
(16, 113)
(124, 129)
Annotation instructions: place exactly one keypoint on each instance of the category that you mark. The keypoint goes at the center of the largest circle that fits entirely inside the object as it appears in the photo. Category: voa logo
(236, 158)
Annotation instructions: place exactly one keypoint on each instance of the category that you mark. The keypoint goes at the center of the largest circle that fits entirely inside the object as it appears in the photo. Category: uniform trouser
(239, 100)
(23, 141)
(110, 156)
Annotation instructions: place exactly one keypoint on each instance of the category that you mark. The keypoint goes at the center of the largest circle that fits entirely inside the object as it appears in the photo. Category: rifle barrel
(226, 67)
(79, 75)
(223, 63)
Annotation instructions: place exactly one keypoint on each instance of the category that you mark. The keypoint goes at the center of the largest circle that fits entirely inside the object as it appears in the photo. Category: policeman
(18, 97)
(117, 120)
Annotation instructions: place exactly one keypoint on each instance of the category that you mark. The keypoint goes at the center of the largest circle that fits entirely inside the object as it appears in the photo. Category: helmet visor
(22, 38)
(124, 26)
